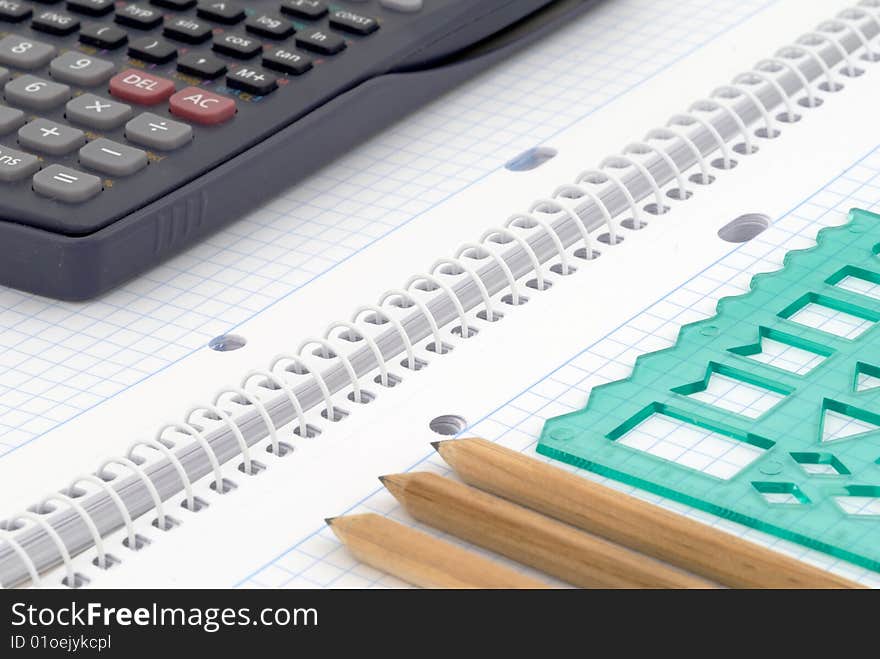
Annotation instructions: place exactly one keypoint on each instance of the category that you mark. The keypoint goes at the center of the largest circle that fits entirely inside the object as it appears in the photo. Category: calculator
(131, 130)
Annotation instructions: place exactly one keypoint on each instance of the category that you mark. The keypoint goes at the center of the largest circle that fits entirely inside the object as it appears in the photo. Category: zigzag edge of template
(795, 451)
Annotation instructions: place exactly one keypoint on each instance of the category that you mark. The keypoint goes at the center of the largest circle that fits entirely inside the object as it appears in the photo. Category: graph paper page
(319, 560)
(543, 358)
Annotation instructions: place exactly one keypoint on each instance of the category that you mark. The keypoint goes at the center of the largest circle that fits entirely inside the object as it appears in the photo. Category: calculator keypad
(21, 53)
(227, 13)
(16, 165)
(55, 22)
(201, 106)
(155, 50)
(237, 45)
(97, 112)
(139, 16)
(34, 93)
(66, 184)
(91, 7)
(108, 37)
(11, 119)
(96, 93)
(13, 11)
(349, 21)
(187, 30)
(155, 132)
(79, 69)
(269, 26)
(112, 158)
(49, 137)
(321, 41)
(136, 86)
(307, 9)
(201, 65)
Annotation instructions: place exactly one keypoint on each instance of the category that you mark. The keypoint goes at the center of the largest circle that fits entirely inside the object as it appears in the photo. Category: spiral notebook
(539, 285)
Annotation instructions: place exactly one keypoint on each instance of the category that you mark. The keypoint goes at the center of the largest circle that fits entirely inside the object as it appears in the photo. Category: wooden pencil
(533, 539)
(629, 521)
(420, 559)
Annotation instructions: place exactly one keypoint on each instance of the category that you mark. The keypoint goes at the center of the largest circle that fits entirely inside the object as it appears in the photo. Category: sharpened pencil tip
(394, 483)
(436, 444)
(329, 520)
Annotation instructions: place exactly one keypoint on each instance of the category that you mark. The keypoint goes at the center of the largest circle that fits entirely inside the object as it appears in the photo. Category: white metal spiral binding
(70, 578)
(540, 282)
(97, 540)
(189, 502)
(600, 176)
(622, 162)
(192, 431)
(815, 38)
(410, 362)
(850, 18)
(712, 105)
(581, 191)
(772, 65)
(131, 537)
(259, 387)
(18, 550)
(438, 346)
(490, 314)
(529, 220)
(162, 521)
(800, 50)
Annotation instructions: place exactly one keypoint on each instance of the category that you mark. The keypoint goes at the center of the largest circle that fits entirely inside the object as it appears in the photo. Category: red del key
(140, 87)
(202, 106)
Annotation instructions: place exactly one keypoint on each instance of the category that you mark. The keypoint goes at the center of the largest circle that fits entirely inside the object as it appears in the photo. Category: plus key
(140, 87)
(201, 106)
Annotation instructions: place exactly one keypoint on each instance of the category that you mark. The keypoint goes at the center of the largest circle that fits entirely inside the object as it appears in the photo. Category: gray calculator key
(4, 75)
(22, 53)
(35, 93)
(402, 5)
(15, 165)
(82, 70)
(155, 132)
(10, 119)
(112, 158)
(48, 137)
(97, 112)
(66, 184)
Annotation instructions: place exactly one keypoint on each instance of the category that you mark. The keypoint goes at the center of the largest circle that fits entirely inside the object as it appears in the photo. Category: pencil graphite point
(329, 520)
(394, 483)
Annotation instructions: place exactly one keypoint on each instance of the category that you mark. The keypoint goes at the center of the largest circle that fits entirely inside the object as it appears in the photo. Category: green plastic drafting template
(767, 413)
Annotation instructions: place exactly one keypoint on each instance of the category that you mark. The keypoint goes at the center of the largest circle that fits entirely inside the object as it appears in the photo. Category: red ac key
(202, 107)
(140, 87)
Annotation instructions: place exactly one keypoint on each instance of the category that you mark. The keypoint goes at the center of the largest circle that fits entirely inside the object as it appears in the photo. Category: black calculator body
(131, 130)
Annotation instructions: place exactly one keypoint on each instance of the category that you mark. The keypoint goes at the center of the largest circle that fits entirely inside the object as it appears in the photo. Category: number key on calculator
(130, 130)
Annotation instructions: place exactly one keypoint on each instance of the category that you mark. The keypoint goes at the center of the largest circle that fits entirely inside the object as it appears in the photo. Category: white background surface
(272, 514)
